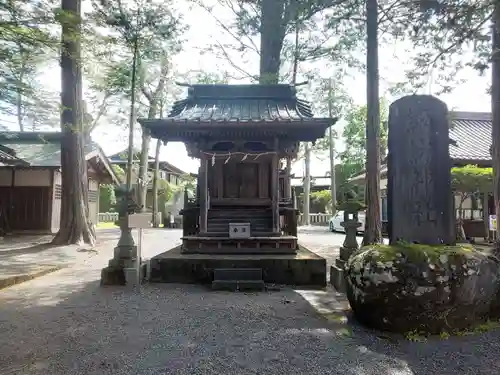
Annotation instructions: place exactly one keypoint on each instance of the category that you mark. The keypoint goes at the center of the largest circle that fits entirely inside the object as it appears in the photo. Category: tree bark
(156, 222)
(495, 109)
(142, 177)
(272, 34)
(154, 101)
(373, 224)
(331, 147)
(76, 227)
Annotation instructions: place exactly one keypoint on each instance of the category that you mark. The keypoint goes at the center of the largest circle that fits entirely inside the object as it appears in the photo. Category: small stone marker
(420, 200)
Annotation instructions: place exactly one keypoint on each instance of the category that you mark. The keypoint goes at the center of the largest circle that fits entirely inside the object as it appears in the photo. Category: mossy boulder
(431, 289)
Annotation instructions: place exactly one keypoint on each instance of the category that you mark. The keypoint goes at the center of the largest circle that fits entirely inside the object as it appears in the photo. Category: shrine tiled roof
(241, 103)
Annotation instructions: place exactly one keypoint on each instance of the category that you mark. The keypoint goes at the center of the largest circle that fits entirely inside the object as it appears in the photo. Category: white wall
(25, 177)
(32, 177)
(5, 177)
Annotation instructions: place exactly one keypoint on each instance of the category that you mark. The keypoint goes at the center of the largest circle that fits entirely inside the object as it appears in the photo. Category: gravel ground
(64, 323)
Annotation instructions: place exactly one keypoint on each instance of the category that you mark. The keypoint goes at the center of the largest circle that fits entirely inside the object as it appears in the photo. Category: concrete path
(24, 258)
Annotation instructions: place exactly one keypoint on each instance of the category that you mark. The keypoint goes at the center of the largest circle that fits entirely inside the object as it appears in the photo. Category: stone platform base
(303, 269)
(337, 278)
(118, 276)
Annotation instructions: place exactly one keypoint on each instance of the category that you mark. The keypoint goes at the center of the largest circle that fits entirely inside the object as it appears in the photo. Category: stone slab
(39, 271)
(337, 278)
(304, 269)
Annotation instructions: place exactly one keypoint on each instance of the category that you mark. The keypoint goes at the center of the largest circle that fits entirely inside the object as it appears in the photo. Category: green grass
(107, 225)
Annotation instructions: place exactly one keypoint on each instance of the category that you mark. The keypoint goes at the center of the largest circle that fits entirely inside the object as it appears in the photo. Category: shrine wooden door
(241, 180)
(249, 180)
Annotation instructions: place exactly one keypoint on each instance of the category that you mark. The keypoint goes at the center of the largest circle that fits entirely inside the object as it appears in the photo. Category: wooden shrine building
(245, 137)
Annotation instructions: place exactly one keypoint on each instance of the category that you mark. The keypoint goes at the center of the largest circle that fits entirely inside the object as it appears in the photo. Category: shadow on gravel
(65, 325)
(397, 355)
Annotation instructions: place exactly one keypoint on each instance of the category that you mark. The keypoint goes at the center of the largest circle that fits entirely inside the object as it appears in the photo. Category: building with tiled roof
(470, 144)
(31, 180)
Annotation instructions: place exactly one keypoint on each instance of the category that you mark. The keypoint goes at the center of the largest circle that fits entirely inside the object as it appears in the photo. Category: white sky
(470, 96)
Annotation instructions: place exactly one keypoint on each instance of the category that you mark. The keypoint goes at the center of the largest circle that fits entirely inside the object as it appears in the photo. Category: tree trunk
(331, 147)
(373, 225)
(272, 34)
(142, 178)
(154, 99)
(486, 216)
(76, 227)
(307, 185)
(495, 109)
(156, 222)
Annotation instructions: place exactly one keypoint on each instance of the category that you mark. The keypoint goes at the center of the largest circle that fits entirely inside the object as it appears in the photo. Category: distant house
(167, 171)
(318, 183)
(30, 180)
(470, 136)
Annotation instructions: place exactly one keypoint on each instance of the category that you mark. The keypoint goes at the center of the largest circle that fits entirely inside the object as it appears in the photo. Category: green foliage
(107, 198)
(472, 179)
(25, 44)
(352, 205)
(354, 135)
(119, 172)
(212, 78)
(326, 30)
(443, 35)
(154, 27)
(321, 200)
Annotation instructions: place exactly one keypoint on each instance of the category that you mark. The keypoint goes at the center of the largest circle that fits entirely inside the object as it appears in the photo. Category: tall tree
(373, 223)
(444, 35)
(157, 29)
(495, 107)
(76, 227)
(266, 29)
(25, 46)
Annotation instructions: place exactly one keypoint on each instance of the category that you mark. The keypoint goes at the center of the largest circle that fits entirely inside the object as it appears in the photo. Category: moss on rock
(417, 252)
(406, 287)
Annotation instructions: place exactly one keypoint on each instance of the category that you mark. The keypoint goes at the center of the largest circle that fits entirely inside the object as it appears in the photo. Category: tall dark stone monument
(419, 193)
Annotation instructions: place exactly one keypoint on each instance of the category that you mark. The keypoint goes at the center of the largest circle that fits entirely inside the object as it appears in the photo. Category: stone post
(125, 252)
(350, 245)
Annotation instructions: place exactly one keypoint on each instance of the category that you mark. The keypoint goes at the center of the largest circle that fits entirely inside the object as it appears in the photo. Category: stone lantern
(350, 245)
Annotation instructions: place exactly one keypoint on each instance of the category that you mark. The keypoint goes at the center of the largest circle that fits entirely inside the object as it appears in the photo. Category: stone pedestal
(337, 275)
(114, 274)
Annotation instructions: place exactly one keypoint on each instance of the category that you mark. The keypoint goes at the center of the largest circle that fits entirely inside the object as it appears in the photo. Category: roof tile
(240, 103)
(471, 131)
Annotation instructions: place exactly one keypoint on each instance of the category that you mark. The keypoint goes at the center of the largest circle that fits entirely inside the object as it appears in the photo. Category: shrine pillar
(275, 187)
(203, 180)
(288, 182)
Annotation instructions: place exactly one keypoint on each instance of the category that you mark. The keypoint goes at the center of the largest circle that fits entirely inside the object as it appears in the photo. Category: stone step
(224, 233)
(238, 274)
(237, 285)
(235, 279)
(255, 227)
(237, 220)
(239, 213)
